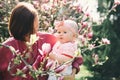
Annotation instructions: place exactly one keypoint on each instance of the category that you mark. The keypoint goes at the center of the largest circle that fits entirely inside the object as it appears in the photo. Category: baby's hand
(69, 77)
(52, 56)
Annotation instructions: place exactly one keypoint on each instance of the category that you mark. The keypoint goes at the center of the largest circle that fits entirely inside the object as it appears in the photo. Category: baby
(65, 47)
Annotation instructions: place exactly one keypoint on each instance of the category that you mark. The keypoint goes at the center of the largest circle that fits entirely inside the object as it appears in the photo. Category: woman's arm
(5, 57)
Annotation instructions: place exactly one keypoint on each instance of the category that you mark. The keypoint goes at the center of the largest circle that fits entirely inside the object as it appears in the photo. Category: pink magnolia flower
(87, 14)
(81, 38)
(46, 47)
(96, 58)
(50, 30)
(90, 35)
(117, 2)
(105, 41)
(64, 1)
(36, 3)
(1, 5)
(55, 1)
(84, 24)
(60, 68)
(49, 65)
(35, 65)
(79, 9)
(46, 1)
(91, 46)
(46, 7)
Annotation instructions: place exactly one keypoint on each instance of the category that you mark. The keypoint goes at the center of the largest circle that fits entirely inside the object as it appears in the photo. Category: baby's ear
(75, 35)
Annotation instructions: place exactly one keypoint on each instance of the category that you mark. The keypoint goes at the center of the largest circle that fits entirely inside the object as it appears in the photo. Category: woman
(23, 23)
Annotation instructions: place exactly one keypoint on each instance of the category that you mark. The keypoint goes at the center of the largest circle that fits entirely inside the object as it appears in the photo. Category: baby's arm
(65, 54)
(60, 58)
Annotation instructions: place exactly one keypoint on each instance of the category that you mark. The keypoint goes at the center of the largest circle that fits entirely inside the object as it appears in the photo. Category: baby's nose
(61, 34)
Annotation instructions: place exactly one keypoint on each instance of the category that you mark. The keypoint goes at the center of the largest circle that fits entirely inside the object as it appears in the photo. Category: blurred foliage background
(108, 56)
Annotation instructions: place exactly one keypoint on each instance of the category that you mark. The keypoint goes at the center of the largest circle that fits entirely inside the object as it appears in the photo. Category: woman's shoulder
(47, 38)
(9, 41)
(44, 34)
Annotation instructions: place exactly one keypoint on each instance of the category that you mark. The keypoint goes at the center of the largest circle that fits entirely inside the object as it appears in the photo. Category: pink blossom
(117, 2)
(87, 14)
(1, 5)
(105, 41)
(50, 30)
(84, 24)
(82, 38)
(46, 1)
(64, 1)
(46, 7)
(38, 60)
(79, 9)
(49, 65)
(46, 47)
(91, 46)
(61, 78)
(90, 35)
(60, 68)
(36, 3)
(96, 58)
(89, 28)
(55, 1)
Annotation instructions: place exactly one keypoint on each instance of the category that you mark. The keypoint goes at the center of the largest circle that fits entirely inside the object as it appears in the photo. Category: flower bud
(59, 69)
(49, 65)
(84, 24)
(90, 35)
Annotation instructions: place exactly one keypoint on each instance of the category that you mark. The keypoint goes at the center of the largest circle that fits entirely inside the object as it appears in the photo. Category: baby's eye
(58, 32)
(65, 32)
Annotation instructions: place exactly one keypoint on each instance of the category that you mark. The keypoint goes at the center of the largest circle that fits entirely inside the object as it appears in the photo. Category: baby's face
(64, 34)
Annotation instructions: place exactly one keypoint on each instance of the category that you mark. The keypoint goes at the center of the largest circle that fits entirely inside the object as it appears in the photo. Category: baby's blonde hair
(72, 25)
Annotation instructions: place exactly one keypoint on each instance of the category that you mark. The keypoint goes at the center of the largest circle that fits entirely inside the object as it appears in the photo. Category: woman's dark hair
(22, 21)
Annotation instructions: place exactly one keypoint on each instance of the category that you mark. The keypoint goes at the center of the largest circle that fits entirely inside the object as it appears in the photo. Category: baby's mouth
(61, 38)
